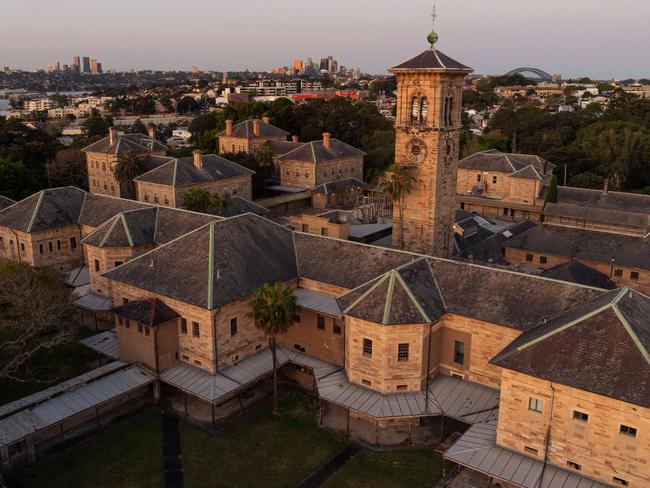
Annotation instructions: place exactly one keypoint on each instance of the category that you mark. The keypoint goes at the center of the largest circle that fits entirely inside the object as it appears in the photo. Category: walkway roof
(105, 343)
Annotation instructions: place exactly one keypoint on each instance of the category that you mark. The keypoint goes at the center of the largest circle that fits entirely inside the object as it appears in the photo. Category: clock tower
(427, 138)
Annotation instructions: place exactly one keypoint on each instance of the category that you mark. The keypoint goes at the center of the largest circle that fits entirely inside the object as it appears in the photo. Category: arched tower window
(415, 109)
(424, 110)
(451, 110)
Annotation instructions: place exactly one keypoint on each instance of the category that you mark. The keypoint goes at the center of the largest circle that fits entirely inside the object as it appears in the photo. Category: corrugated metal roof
(105, 343)
(477, 450)
(15, 427)
(317, 302)
(94, 303)
(78, 277)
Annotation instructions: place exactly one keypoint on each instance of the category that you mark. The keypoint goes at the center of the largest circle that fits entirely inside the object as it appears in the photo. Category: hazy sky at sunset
(571, 37)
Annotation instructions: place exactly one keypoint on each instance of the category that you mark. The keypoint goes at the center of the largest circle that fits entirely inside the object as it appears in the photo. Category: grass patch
(405, 468)
(128, 457)
(258, 449)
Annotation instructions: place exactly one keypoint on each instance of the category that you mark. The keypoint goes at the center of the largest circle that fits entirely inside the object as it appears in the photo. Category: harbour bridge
(532, 74)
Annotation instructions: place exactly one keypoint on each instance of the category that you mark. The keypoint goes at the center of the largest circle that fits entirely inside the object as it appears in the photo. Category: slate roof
(408, 294)
(607, 200)
(316, 152)
(5, 202)
(97, 209)
(126, 229)
(518, 165)
(338, 185)
(183, 172)
(238, 206)
(576, 272)
(631, 216)
(149, 311)
(134, 143)
(216, 264)
(245, 130)
(593, 347)
(282, 147)
(432, 59)
(46, 209)
(585, 244)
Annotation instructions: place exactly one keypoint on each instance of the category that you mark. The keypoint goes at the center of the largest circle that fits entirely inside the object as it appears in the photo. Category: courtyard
(256, 449)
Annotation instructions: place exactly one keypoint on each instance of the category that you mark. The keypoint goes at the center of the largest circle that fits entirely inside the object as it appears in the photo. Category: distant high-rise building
(86, 65)
(93, 66)
(225, 77)
(333, 66)
(76, 65)
(324, 64)
(297, 65)
(195, 69)
(99, 68)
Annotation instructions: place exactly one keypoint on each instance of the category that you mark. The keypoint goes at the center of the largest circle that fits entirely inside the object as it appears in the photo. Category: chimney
(256, 127)
(112, 135)
(326, 140)
(197, 159)
(151, 130)
(266, 120)
(295, 138)
(229, 127)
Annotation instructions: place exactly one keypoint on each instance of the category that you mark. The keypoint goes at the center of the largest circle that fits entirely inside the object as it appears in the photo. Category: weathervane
(433, 37)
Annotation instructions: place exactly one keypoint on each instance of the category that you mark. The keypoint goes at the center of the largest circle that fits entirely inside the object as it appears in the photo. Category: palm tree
(395, 183)
(128, 167)
(273, 308)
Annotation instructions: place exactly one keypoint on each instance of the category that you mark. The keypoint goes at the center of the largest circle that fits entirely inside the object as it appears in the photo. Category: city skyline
(371, 36)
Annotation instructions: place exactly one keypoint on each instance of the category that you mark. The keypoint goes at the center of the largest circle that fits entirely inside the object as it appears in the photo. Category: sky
(571, 37)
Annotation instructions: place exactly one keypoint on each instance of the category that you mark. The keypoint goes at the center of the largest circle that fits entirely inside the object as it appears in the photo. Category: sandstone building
(248, 136)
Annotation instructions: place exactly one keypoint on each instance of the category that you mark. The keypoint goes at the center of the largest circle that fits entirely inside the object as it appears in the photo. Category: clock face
(416, 149)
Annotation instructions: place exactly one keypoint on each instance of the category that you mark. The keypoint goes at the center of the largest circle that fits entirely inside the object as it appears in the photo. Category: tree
(551, 195)
(35, 309)
(396, 183)
(273, 308)
(68, 167)
(198, 200)
(138, 127)
(95, 126)
(128, 166)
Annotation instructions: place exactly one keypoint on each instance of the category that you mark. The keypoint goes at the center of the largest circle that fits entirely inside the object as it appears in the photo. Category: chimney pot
(295, 138)
(326, 139)
(256, 127)
(266, 120)
(198, 162)
(229, 127)
(112, 135)
(151, 130)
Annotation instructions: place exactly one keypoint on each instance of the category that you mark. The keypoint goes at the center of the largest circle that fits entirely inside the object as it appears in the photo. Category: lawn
(403, 468)
(128, 457)
(258, 449)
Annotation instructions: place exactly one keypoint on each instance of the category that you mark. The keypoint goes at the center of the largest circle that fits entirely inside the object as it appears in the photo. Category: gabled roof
(405, 295)
(126, 229)
(135, 143)
(339, 185)
(316, 152)
(519, 165)
(216, 264)
(432, 59)
(612, 200)
(631, 216)
(576, 272)
(5, 202)
(601, 346)
(282, 147)
(245, 130)
(149, 311)
(183, 172)
(55, 207)
(238, 206)
(97, 209)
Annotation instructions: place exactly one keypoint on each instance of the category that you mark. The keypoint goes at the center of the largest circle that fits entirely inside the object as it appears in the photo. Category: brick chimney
(112, 135)
(326, 140)
(228, 127)
(151, 130)
(198, 162)
(256, 127)
(295, 138)
(266, 120)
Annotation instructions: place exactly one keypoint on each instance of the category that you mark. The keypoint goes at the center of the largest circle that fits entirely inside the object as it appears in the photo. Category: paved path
(172, 460)
(323, 472)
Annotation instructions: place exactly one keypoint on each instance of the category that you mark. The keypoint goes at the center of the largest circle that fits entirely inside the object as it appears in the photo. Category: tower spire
(433, 37)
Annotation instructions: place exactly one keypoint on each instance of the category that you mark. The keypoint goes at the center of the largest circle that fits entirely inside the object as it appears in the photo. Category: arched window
(450, 111)
(414, 109)
(424, 110)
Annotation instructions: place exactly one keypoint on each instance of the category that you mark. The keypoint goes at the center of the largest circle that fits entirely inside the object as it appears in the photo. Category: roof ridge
(36, 208)
(635, 338)
(415, 301)
(126, 229)
(380, 279)
(211, 267)
(110, 229)
(389, 297)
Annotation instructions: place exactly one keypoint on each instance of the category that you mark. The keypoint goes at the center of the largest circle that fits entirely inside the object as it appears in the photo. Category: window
(478, 177)
(305, 227)
(402, 353)
(125, 300)
(574, 465)
(58, 245)
(530, 450)
(367, 348)
(233, 326)
(512, 212)
(73, 243)
(424, 110)
(529, 258)
(401, 387)
(634, 275)
(296, 315)
(414, 109)
(618, 273)
(40, 248)
(197, 362)
(627, 430)
(494, 180)
(620, 481)
(184, 326)
(505, 211)
(96, 265)
(196, 330)
(140, 328)
(581, 416)
(323, 231)
(543, 260)
(337, 328)
(147, 330)
(127, 323)
(535, 405)
(186, 358)
(118, 263)
(50, 246)
(366, 382)
(459, 352)
(320, 322)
